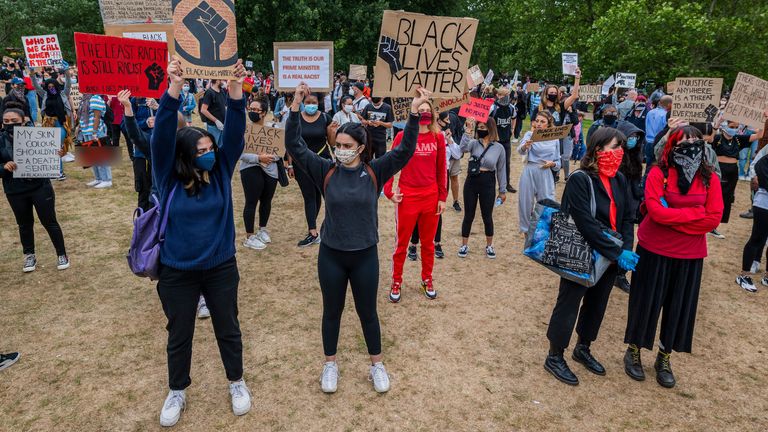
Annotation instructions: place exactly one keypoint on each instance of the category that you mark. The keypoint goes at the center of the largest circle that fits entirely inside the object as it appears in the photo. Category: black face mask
(610, 118)
(254, 116)
(445, 127)
(8, 129)
(481, 134)
(552, 97)
(376, 101)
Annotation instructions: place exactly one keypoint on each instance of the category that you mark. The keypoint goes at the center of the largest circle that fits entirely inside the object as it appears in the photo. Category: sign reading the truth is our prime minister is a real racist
(420, 50)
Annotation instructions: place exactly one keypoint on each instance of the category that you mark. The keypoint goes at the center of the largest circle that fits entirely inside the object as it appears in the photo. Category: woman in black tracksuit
(613, 212)
(348, 253)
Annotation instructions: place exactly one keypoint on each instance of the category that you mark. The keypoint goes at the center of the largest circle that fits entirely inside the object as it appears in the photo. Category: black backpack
(109, 116)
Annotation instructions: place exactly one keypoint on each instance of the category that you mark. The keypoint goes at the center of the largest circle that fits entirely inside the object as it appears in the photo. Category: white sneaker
(253, 242)
(202, 309)
(463, 251)
(172, 408)
(379, 377)
(745, 282)
(330, 377)
(515, 140)
(241, 397)
(93, 183)
(764, 281)
(263, 235)
(103, 185)
(69, 157)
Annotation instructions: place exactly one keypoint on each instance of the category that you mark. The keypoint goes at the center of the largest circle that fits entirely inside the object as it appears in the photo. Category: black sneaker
(716, 234)
(412, 253)
(439, 251)
(747, 214)
(633, 366)
(30, 263)
(557, 366)
(664, 375)
(309, 240)
(8, 359)
(622, 283)
(511, 189)
(581, 354)
(456, 206)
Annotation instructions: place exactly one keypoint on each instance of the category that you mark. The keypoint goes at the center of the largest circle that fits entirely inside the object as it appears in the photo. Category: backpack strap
(368, 169)
(328, 177)
(373, 177)
(164, 221)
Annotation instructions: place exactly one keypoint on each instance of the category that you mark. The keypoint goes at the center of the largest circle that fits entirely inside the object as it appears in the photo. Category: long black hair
(186, 151)
(360, 134)
(632, 163)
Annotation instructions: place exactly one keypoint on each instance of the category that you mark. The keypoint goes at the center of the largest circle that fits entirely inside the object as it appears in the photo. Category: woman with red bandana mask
(683, 202)
(599, 168)
(420, 200)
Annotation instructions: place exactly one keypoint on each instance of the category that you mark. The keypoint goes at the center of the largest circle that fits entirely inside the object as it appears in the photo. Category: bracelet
(289, 166)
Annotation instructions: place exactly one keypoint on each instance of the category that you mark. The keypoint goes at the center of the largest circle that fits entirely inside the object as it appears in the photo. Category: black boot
(632, 364)
(622, 283)
(664, 375)
(582, 355)
(556, 365)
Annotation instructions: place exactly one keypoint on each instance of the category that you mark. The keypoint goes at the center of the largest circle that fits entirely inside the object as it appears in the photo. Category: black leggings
(312, 197)
(479, 188)
(729, 181)
(43, 200)
(754, 247)
(360, 269)
(508, 153)
(438, 234)
(115, 132)
(259, 188)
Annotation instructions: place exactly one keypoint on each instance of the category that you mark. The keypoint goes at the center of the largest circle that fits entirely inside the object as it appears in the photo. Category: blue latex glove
(628, 260)
(664, 202)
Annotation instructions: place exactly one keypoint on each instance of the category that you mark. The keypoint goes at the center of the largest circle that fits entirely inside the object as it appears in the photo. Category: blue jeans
(32, 100)
(215, 132)
(103, 173)
(745, 159)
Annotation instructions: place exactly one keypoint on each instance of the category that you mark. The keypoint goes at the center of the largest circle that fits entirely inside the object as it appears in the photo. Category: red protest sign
(108, 64)
(477, 109)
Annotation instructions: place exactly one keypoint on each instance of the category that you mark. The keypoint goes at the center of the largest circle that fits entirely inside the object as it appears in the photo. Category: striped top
(86, 127)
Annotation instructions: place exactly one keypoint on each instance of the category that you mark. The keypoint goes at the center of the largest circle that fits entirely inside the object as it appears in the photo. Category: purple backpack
(148, 235)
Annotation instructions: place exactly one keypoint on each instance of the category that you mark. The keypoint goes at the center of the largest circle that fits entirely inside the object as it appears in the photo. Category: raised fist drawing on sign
(155, 74)
(209, 28)
(389, 51)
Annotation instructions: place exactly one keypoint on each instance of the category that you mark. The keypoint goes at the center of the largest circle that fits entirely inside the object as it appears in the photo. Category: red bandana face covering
(608, 161)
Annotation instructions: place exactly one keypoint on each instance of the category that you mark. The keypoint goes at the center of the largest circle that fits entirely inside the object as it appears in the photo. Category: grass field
(93, 339)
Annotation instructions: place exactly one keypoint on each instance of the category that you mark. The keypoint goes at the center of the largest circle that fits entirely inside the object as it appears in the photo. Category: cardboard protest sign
(150, 32)
(532, 88)
(590, 93)
(36, 152)
(420, 50)
(401, 107)
(445, 104)
(157, 36)
(308, 62)
(75, 96)
(358, 72)
(696, 99)
(108, 64)
(135, 11)
(264, 139)
(206, 37)
(477, 108)
(570, 63)
(607, 85)
(748, 101)
(553, 133)
(488, 77)
(42, 51)
(475, 76)
(625, 80)
(671, 87)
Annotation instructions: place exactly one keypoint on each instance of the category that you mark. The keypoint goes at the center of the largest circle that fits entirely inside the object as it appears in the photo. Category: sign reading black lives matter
(206, 37)
(36, 152)
(264, 139)
(421, 50)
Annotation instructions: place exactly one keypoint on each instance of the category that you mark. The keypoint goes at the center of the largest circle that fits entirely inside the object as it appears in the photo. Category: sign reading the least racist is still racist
(477, 108)
(108, 64)
(421, 50)
(748, 101)
(36, 152)
(42, 51)
(696, 99)
(264, 139)
(553, 133)
(308, 62)
(205, 37)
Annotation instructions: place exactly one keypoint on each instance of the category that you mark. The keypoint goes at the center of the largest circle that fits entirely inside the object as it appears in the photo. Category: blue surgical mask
(310, 109)
(632, 142)
(729, 130)
(205, 162)
(185, 88)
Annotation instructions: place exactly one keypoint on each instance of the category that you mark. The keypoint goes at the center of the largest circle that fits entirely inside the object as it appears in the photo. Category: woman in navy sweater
(198, 254)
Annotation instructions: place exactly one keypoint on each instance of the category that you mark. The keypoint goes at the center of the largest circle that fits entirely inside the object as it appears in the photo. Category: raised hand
(124, 97)
(209, 28)
(389, 51)
(177, 77)
(302, 90)
(236, 85)
(155, 75)
(422, 96)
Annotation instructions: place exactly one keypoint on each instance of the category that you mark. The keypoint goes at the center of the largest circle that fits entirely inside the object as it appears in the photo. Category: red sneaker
(428, 289)
(394, 292)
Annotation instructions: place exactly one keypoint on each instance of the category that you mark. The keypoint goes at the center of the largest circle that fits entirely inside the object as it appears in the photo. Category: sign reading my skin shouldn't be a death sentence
(36, 152)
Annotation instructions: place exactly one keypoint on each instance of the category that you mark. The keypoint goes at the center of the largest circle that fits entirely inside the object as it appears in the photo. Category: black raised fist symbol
(389, 51)
(209, 28)
(155, 74)
(711, 111)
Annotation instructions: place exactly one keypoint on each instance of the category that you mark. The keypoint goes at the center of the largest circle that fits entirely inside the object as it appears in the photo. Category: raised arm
(574, 90)
(163, 140)
(232, 138)
(308, 161)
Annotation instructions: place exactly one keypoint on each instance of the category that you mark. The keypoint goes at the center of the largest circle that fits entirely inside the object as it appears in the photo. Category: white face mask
(348, 108)
(351, 93)
(345, 156)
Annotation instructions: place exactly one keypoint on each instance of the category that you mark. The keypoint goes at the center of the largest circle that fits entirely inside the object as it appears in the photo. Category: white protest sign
(570, 63)
(514, 78)
(607, 85)
(147, 36)
(625, 80)
(308, 62)
(489, 77)
(248, 64)
(749, 99)
(36, 152)
(475, 76)
(42, 51)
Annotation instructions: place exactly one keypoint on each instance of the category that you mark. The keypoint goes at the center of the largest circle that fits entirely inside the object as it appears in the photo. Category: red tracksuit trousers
(418, 207)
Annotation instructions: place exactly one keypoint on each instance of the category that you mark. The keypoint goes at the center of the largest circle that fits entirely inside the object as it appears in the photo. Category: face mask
(687, 158)
(608, 161)
(206, 161)
(481, 134)
(351, 92)
(731, 132)
(445, 127)
(345, 156)
(9, 129)
(425, 119)
(552, 97)
(254, 117)
(610, 118)
(376, 101)
(504, 101)
(310, 109)
(631, 142)
(348, 108)
(186, 89)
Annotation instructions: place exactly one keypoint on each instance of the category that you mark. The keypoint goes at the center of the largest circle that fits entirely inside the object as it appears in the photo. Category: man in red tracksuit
(420, 198)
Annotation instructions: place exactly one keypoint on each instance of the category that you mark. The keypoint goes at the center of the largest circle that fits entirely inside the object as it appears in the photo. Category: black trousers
(179, 293)
(508, 152)
(142, 181)
(360, 269)
(580, 306)
(518, 127)
(312, 197)
(729, 181)
(438, 234)
(756, 243)
(379, 148)
(259, 188)
(43, 201)
(115, 132)
(480, 188)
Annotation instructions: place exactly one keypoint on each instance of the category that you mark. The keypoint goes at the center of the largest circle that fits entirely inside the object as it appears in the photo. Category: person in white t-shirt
(360, 101)
(347, 113)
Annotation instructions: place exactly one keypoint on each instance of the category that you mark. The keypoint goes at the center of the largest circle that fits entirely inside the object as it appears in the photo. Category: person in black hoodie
(522, 110)
(26, 194)
(506, 117)
(613, 212)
